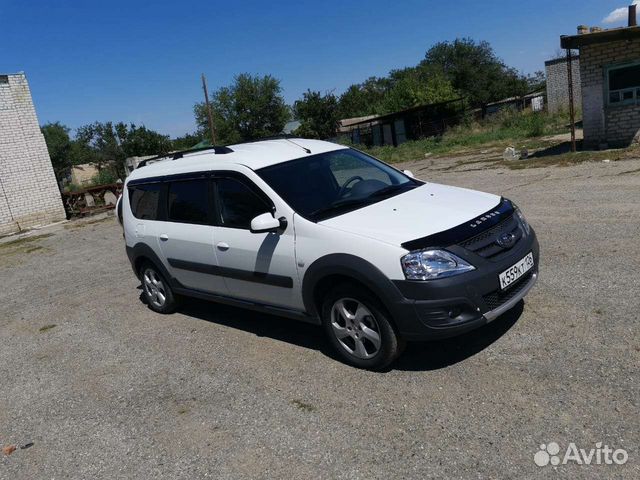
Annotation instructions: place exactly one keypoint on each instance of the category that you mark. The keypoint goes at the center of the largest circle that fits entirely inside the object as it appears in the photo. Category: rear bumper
(448, 307)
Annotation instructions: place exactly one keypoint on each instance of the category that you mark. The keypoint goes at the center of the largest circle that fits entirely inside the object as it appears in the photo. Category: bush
(73, 187)
(104, 177)
(527, 124)
(501, 129)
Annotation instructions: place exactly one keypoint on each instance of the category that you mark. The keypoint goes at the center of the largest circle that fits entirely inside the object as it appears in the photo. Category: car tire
(359, 328)
(156, 290)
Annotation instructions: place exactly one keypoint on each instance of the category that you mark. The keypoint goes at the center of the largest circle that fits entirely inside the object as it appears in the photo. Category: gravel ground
(105, 388)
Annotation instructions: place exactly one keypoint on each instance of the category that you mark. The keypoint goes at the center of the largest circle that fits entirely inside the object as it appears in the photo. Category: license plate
(516, 271)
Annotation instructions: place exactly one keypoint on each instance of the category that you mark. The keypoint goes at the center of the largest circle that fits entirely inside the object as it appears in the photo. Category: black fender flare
(142, 250)
(353, 267)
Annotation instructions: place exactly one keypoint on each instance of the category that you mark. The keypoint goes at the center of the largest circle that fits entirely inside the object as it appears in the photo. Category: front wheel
(359, 328)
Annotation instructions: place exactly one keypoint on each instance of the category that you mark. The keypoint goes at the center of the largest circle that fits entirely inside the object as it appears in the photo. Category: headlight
(431, 264)
(521, 219)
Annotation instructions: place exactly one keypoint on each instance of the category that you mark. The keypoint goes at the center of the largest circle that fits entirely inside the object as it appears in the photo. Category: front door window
(238, 204)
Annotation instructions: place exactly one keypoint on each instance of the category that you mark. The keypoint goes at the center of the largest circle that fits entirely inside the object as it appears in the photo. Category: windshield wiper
(349, 202)
(391, 189)
(361, 201)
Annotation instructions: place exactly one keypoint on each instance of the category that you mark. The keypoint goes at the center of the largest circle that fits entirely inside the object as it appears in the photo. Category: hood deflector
(464, 231)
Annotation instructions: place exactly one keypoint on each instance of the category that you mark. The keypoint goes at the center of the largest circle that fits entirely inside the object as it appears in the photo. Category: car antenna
(298, 145)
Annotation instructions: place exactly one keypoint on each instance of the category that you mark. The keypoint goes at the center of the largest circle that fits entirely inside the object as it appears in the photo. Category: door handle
(222, 246)
(164, 237)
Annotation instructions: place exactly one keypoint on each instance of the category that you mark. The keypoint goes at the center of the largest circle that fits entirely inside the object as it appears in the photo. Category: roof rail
(282, 136)
(176, 155)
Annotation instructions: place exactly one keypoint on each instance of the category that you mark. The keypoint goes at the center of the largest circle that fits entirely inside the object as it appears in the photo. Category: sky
(141, 61)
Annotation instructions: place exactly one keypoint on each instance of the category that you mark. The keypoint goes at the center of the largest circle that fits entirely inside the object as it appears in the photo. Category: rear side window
(188, 202)
(238, 204)
(144, 201)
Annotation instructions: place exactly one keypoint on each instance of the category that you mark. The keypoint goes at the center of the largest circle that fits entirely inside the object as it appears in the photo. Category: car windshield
(329, 184)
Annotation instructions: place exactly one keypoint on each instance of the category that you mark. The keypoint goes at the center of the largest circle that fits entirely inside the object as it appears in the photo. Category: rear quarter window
(144, 201)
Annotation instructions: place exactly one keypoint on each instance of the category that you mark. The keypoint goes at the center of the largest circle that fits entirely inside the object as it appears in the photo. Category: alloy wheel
(154, 288)
(356, 328)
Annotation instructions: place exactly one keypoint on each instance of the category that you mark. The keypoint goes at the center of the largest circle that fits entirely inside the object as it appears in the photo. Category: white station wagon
(326, 234)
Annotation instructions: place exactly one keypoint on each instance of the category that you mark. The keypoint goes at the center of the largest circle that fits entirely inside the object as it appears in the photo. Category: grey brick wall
(558, 84)
(29, 194)
(617, 125)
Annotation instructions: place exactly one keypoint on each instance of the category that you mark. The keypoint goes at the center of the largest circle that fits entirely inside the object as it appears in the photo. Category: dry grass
(305, 407)
(26, 245)
(81, 224)
(569, 158)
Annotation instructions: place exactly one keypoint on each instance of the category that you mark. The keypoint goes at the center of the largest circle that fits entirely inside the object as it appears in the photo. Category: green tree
(416, 86)
(475, 70)
(59, 146)
(98, 143)
(140, 141)
(107, 144)
(188, 140)
(251, 108)
(364, 98)
(318, 115)
(401, 89)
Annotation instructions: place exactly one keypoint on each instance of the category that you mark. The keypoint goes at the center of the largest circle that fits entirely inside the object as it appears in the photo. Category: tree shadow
(419, 356)
(559, 149)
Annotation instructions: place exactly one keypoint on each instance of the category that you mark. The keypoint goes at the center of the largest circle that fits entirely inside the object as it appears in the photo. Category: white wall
(29, 194)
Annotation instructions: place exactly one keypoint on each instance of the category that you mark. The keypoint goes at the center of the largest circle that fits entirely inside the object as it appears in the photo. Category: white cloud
(619, 14)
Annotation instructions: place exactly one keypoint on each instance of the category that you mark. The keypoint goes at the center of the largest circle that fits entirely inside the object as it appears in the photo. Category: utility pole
(212, 130)
(572, 114)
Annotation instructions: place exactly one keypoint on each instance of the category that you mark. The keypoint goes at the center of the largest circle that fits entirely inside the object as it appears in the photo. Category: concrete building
(610, 83)
(557, 75)
(29, 194)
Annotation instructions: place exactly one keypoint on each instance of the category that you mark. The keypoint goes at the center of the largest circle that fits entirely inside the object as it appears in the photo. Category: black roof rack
(176, 155)
(281, 136)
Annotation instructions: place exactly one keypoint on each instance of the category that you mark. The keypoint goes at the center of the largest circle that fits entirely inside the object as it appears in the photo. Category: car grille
(500, 297)
(484, 244)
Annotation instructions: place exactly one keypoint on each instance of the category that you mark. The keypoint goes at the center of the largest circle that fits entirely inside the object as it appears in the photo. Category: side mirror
(266, 223)
(408, 173)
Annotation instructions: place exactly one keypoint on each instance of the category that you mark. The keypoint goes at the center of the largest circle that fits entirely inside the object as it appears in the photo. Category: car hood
(423, 211)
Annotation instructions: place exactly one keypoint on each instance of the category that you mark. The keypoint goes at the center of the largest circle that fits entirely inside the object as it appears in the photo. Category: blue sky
(141, 61)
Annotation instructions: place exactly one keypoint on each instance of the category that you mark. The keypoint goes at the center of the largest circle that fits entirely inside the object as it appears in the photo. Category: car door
(256, 266)
(186, 236)
(143, 215)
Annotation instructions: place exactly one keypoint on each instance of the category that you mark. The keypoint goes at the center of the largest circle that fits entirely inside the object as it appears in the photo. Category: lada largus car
(326, 234)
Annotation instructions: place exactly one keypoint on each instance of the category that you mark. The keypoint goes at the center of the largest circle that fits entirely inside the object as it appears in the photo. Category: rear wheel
(157, 292)
(359, 328)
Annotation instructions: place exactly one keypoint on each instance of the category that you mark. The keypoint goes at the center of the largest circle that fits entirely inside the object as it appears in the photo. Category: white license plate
(516, 271)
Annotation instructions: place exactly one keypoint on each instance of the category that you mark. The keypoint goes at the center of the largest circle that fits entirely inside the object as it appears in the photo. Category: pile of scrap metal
(89, 201)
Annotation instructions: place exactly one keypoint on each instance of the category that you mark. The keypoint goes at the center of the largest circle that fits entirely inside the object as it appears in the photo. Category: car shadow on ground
(260, 324)
(444, 353)
(419, 356)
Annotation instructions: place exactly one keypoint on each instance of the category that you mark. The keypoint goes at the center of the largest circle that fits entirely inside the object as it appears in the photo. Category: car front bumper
(451, 306)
